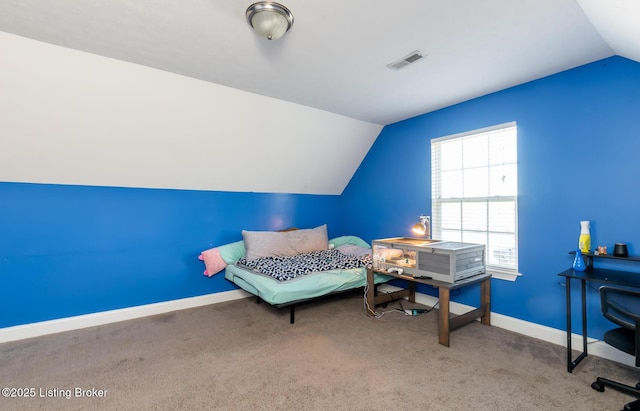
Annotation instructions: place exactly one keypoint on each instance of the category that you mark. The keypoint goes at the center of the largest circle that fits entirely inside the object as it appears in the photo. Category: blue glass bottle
(578, 262)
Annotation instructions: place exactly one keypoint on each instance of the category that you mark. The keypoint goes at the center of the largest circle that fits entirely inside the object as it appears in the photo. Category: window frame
(497, 271)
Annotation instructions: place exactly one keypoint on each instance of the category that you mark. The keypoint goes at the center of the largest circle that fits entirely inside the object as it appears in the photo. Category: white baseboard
(541, 332)
(553, 335)
(20, 332)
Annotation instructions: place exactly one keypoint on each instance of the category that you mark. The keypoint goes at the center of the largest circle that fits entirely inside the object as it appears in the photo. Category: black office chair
(622, 306)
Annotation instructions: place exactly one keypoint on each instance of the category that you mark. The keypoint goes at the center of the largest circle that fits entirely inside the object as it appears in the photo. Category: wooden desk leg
(371, 293)
(412, 292)
(485, 301)
(443, 318)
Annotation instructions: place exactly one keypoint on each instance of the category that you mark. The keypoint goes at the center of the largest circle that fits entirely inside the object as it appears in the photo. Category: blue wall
(72, 250)
(579, 159)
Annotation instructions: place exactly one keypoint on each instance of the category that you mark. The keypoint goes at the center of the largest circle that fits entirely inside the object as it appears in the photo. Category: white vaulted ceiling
(207, 104)
(335, 56)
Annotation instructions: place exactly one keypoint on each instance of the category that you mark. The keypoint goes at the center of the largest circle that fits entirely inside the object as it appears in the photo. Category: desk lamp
(423, 228)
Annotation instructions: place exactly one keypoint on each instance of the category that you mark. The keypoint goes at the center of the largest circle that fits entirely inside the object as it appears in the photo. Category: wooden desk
(446, 323)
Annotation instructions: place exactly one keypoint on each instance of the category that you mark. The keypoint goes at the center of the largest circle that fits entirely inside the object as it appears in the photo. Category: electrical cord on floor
(367, 309)
(417, 311)
(380, 314)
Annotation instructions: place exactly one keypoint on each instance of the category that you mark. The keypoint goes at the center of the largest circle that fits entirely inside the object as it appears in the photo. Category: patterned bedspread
(290, 267)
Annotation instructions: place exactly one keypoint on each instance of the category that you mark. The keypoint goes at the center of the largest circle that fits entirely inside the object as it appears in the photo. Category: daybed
(285, 269)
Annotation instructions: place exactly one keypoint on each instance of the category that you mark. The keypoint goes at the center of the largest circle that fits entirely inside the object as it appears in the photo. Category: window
(475, 193)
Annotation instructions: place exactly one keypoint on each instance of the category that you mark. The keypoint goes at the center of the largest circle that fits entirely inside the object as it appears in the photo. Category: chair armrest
(621, 305)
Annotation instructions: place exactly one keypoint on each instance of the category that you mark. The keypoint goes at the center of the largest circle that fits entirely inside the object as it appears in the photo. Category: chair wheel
(597, 386)
(634, 405)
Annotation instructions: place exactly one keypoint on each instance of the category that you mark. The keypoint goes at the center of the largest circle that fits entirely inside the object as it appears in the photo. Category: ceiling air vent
(406, 60)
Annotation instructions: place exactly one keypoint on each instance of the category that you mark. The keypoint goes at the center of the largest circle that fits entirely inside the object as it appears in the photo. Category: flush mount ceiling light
(270, 20)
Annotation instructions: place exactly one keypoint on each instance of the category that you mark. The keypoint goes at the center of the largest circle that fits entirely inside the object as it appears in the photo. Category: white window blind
(475, 193)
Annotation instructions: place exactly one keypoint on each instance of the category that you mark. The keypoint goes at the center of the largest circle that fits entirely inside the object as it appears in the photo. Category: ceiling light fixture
(270, 20)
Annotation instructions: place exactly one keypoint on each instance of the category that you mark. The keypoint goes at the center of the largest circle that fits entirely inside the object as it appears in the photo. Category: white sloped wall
(69, 117)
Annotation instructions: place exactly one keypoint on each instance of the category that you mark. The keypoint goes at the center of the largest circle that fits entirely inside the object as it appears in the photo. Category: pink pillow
(212, 261)
(216, 259)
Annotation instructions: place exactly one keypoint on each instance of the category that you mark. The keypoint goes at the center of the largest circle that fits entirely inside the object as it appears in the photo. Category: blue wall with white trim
(578, 159)
(71, 250)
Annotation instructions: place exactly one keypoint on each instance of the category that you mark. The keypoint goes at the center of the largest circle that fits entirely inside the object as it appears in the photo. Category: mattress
(311, 285)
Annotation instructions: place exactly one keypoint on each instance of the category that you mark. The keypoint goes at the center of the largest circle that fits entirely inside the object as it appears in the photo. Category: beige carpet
(243, 356)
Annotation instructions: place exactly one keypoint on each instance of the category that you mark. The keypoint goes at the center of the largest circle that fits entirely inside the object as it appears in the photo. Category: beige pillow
(279, 244)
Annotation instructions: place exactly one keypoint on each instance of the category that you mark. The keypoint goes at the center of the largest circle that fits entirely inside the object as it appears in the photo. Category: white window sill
(507, 275)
